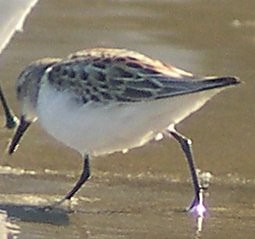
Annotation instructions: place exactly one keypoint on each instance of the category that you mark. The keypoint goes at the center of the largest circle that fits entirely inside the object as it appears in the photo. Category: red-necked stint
(100, 101)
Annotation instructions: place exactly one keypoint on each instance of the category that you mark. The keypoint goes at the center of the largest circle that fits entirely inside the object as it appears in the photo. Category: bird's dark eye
(18, 89)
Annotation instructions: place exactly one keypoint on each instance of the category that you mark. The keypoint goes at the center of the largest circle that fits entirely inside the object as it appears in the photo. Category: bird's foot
(197, 206)
(198, 209)
(54, 205)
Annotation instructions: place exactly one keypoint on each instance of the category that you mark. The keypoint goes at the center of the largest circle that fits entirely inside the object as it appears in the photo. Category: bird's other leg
(186, 145)
(10, 118)
(83, 178)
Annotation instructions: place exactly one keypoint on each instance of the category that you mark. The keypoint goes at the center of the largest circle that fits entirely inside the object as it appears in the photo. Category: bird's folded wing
(125, 79)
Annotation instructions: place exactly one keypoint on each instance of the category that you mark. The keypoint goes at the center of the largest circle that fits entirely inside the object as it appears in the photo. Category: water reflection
(8, 230)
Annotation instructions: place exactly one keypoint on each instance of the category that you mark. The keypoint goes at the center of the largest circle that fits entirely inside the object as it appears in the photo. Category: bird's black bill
(11, 119)
(23, 125)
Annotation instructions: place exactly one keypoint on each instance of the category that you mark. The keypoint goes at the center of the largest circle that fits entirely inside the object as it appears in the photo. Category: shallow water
(140, 194)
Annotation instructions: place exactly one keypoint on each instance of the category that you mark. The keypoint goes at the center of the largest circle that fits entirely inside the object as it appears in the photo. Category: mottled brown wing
(105, 78)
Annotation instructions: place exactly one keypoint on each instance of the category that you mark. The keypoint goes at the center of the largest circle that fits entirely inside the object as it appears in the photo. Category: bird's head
(27, 90)
(28, 85)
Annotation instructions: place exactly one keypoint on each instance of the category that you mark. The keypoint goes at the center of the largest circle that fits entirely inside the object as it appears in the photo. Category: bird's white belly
(102, 129)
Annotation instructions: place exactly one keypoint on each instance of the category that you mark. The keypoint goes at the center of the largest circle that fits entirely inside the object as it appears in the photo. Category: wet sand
(125, 206)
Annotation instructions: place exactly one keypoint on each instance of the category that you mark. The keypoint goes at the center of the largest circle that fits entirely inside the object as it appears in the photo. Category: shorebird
(100, 101)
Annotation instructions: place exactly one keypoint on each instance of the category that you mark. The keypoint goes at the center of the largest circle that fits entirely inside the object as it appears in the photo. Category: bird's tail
(218, 82)
(189, 86)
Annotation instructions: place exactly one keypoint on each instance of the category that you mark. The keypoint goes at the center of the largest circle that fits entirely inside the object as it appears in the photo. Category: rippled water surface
(140, 194)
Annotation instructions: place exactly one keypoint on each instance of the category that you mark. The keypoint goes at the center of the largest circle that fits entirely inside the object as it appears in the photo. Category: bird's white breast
(102, 129)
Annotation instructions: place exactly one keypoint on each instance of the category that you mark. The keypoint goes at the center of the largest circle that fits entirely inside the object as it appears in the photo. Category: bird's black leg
(186, 146)
(11, 119)
(83, 178)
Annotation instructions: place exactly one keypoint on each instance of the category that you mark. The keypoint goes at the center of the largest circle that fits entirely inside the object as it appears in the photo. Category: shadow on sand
(36, 214)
